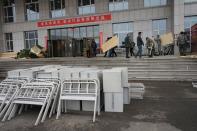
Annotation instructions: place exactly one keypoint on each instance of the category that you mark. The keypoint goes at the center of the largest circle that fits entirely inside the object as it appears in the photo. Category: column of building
(1, 33)
(18, 37)
(105, 27)
(71, 8)
(178, 9)
(44, 12)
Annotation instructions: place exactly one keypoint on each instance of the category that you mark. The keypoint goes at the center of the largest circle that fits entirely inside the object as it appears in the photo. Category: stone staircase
(8, 55)
(158, 68)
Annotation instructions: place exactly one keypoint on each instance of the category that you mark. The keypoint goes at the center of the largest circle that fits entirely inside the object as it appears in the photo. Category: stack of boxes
(113, 90)
(137, 90)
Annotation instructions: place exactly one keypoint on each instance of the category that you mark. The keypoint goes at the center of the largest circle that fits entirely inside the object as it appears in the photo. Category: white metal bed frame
(35, 93)
(13, 85)
(86, 89)
(57, 84)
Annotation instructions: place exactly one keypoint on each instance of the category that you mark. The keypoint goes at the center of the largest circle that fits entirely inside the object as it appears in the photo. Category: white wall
(107, 31)
(2, 47)
(18, 41)
(44, 10)
(190, 9)
(19, 6)
(41, 37)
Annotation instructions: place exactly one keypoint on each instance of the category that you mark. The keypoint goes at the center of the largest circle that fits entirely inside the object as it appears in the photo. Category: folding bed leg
(26, 107)
(99, 105)
(55, 102)
(8, 112)
(2, 105)
(13, 112)
(40, 114)
(59, 109)
(4, 110)
(56, 106)
(53, 107)
(62, 107)
(94, 116)
(52, 110)
(21, 109)
(46, 110)
(65, 109)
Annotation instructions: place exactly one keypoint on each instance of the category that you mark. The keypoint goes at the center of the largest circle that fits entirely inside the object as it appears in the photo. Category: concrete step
(172, 68)
(8, 55)
(160, 79)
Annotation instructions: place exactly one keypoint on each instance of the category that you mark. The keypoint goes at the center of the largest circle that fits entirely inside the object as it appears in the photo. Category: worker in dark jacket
(127, 45)
(132, 44)
(88, 48)
(140, 43)
(181, 43)
(94, 47)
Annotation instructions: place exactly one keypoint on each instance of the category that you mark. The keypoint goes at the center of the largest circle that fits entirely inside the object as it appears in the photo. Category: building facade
(25, 23)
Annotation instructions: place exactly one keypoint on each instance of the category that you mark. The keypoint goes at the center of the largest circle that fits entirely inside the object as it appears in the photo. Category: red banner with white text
(75, 20)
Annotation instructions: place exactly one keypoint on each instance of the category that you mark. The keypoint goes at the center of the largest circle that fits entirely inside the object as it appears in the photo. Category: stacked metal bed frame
(57, 89)
(46, 89)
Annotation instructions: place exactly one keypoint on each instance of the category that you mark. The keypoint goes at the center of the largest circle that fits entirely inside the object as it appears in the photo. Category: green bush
(25, 53)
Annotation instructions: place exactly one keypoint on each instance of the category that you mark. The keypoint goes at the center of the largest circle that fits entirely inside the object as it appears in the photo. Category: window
(9, 42)
(190, 1)
(76, 33)
(86, 7)
(122, 29)
(57, 8)
(116, 5)
(31, 39)
(159, 27)
(31, 10)
(9, 11)
(152, 3)
(72, 39)
(190, 22)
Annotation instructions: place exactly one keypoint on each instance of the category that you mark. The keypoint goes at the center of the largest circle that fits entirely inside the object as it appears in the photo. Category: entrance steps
(8, 55)
(158, 68)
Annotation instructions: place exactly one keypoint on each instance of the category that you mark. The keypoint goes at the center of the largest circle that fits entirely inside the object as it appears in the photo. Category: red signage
(76, 20)
(100, 39)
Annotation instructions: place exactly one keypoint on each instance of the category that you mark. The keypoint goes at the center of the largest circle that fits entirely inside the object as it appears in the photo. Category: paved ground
(167, 106)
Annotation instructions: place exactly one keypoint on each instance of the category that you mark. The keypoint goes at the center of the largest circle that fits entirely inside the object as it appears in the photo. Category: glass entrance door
(68, 48)
(67, 42)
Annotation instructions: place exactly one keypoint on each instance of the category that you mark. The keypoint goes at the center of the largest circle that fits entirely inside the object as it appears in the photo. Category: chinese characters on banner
(77, 20)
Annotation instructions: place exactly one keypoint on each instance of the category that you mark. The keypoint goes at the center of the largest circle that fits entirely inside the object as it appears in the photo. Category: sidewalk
(167, 106)
(99, 57)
